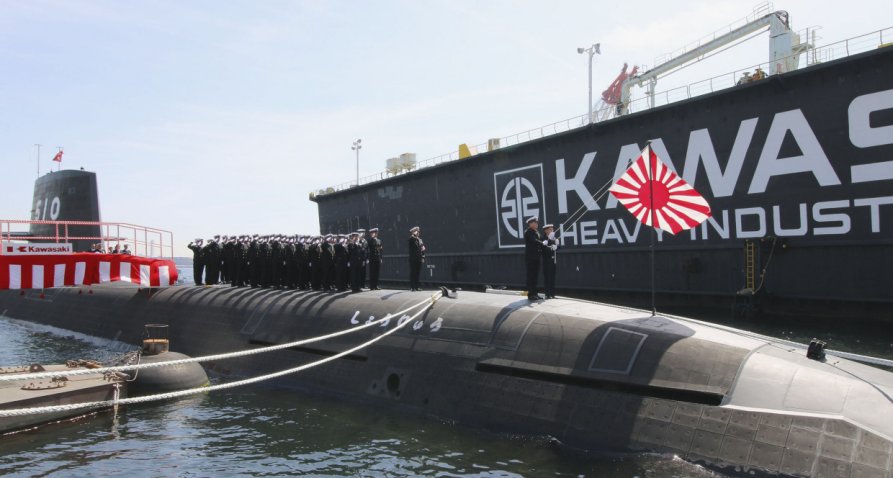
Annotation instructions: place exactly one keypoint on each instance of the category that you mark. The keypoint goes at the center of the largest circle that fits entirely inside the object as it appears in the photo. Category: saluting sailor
(533, 246)
(550, 246)
(198, 261)
(416, 257)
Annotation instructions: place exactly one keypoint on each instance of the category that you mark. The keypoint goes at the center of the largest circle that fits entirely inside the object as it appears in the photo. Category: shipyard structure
(797, 168)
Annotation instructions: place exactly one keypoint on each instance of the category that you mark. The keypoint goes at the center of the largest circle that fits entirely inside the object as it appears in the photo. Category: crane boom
(782, 43)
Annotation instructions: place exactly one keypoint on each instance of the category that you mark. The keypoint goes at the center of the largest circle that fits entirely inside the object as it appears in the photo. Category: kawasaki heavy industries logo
(520, 194)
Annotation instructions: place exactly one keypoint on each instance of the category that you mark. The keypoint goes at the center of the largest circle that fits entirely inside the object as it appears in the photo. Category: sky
(209, 117)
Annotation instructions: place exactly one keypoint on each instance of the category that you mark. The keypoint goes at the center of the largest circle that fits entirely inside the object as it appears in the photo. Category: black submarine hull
(796, 169)
(594, 377)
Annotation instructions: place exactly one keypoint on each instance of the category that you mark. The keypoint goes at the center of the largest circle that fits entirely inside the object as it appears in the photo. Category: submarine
(593, 377)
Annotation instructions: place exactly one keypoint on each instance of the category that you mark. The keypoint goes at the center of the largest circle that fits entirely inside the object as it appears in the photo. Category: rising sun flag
(658, 197)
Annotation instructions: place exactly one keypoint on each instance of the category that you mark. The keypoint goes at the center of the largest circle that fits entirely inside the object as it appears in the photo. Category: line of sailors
(334, 262)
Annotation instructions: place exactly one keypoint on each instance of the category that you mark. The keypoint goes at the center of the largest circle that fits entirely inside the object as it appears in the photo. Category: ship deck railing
(143, 241)
(812, 56)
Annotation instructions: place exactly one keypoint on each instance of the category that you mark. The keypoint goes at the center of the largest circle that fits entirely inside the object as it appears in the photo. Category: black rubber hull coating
(167, 379)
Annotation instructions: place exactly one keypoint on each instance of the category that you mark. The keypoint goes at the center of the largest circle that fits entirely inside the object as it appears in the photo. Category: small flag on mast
(58, 157)
(658, 197)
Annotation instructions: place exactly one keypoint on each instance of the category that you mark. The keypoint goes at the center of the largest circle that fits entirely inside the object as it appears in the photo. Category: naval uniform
(315, 268)
(303, 266)
(327, 262)
(375, 249)
(198, 262)
(356, 266)
(211, 253)
(549, 266)
(532, 251)
(416, 259)
(253, 260)
(276, 261)
(342, 271)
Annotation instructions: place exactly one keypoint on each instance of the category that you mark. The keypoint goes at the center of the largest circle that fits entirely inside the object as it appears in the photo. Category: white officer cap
(548, 226)
(532, 219)
(415, 228)
(374, 229)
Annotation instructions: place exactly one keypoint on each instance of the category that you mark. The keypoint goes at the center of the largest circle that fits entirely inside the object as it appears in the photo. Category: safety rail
(759, 11)
(144, 241)
(815, 55)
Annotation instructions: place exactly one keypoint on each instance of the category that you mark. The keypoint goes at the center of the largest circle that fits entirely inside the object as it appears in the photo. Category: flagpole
(653, 227)
(676, 195)
(38, 159)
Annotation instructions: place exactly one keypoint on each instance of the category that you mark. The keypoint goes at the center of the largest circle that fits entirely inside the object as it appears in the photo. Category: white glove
(552, 235)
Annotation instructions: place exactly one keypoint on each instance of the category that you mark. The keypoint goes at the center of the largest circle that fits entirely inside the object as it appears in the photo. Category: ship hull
(591, 376)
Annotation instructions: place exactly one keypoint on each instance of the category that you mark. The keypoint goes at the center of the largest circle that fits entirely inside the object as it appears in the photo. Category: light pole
(595, 48)
(356, 147)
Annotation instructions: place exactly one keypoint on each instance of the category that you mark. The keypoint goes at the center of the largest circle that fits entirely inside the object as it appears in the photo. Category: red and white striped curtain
(48, 271)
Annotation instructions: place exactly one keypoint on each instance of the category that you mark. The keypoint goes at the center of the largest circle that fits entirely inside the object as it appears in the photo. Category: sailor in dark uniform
(263, 262)
(416, 257)
(227, 257)
(212, 262)
(224, 259)
(240, 262)
(375, 249)
(364, 255)
(313, 252)
(303, 263)
(198, 262)
(533, 246)
(253, 256)
(276, 262)
(327, 262)
(342, 264)
(550, 246)
(356, 262)
(291, 263)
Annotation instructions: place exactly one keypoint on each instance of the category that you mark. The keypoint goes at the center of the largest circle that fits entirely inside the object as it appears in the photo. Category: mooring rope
(404, 319)
(206, 358)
